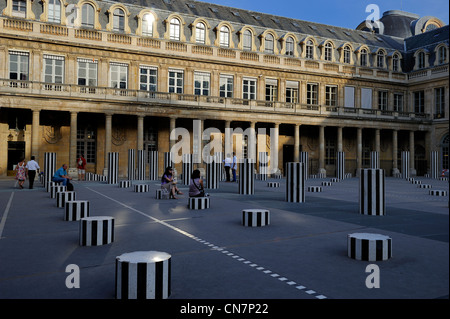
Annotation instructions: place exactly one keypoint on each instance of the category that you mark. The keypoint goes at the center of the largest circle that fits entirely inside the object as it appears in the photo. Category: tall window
(421, 60)
(330, 151)
(200, 31)
(119, 20)
(54, 11)
(312, 91)
(398, 102)
(290, 46)
(395, 63)
(380, 59)
(226, 85)
(419, 102)
(269, 44)
(444, 148)
(439, 102)
(87, 15)
(309, 54)
(442, 55)
(363, 57)
(328, 54)
(18, 65)
(247, 40)
(291, 92)
(271, 90)
(53, 69)
(382, 100)
(349, 96)
(330, 95)
(249, 89)
(19, 8)
(347, 53)
(202, 83)
(176, 81)
(86, 143)
(147, 24)
(224, 37)
(175, 29)
(148, 79)
(119, 75)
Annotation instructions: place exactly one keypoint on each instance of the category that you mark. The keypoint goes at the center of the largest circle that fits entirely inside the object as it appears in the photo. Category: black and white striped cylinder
(246, 176)
(416, 182)
(372, 192)
(140, 166)
(101, 178)
(141, 188)
(273, 184)
(369, 247)
(168, 160)
(314, 189)
(162, 194)
(255, 217)
(96, 231)
(335, 180)
(212, 173)
(374, 159)
(143, 275)
(187, 167)
(89, 177)
(327, 183)
(49, 185)
(197, 203)
(113, 168)
(49, 168)
(295, 182)
(263, 165)
(153, 165)
(76, 209)
(218, 158)
(131, 173)
(340, 165)
(424, 186)
(436, 192)
(56, 189)
(405, 164)
(63, 197)
(304, 158)
(125, 184)
(434, 164)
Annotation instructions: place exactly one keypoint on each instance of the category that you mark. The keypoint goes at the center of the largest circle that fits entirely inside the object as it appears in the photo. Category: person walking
(32, 168)
(227, 164)
(81, 165)
(234, 167)
(21, 172)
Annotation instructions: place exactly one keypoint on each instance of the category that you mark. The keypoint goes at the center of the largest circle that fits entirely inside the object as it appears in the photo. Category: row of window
(148, 81)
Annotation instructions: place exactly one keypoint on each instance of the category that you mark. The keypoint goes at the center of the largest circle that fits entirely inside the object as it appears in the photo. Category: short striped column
(340, 165)
(263, 158)
(255, 217)
(168, 160)
(437, 192)
(314, 189)
(327, 184)
(141, 188)
(96, 231)
(197, 203)
(405, 164)
(295, 182)
(416, 182)
(424, 186)
(56, 189)
(369, 247)
(75, 210)
(187, 167)
(140, 168)
(374, 159)
(304, 158)
(131, 164)
(143, 275)
(48, 187)
(125, 184)
(273, 184)
(90, 177)
(153, 165)
(434, 164)
(113, 168)
(162, 194)
(372, 192)
(63, 197)
(212, 173)
(246, 177)
(49, 168)
(335, 180)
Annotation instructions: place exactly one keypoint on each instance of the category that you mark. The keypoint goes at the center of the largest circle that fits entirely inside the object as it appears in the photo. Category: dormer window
(380, 59)
(363, 57)
(328, 53)
(224, 36)
(87, 15)
(54, 11)
(290, 46)
(147, 25)
(396, 63)
(248, 40)
(175, 29)
(19, 8)
(421, 60)
(269, 44)
(442, 55)
(119, 20)
(200, 31)
(347, 51)
(309, 50)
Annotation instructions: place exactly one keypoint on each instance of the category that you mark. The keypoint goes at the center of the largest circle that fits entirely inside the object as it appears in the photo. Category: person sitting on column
(196, 188)
(169, 184)
(61, 176)
(81, 165)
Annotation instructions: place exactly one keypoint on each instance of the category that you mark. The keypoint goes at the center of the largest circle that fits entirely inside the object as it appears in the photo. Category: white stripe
(5, 214)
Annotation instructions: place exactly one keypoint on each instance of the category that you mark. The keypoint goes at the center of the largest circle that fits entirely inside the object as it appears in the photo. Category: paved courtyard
(302, 254)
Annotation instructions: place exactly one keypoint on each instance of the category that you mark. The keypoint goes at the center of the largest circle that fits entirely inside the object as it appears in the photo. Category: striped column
(263, 165)
(56, 189)
(168, 160)
(374, 159)
(96, 231)
(218, 158)
(140, 169)
(143, 275)
(153, 165)
(198, 203)
(141, 188)
(295, 182)
(187, 167)
(372, 192)
(63, 197)
(304, 158)
(131, 164)
(125, 184)
(212, 173)
(49, 167)
(246, 176)
(369, 247)
(113, 167)
(77, 209)
(255, 217)
(340, 165)
(434, 165)
(405, 164)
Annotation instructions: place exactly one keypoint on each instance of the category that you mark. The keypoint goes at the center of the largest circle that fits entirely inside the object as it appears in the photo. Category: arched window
(328, 54)
(175, 29)
(380, 59)
(396, 63)
(224, 37)
(269, 44)
(54, 11)
(147, 24)
(247, 40)
(290, 46)
(363, 57)
(309, 54)
(200, 32)
(347, 52)
(87, 15)
(119, 20)
(421, 60)
(442, 55)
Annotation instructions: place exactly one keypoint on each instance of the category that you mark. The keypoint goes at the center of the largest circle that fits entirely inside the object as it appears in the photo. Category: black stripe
(259, 219)
(94, 232)
(112, 229)
(249, 219)
(105, 232)
(389, 247)
(141, 284)
(364, 249)
(243, 218)
(159, 284)
(124, 280)
(169, 288)
(83, 233)
(379, 249)
(353, 247)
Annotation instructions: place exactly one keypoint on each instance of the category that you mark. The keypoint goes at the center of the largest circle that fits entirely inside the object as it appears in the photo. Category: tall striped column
(140, 169)
(304, 158)
(153, 163)
(372, 192)
(131, 164)
(295, 182)
(168, 160)
(218, 158)
(49, 167)
(263, 165)
(113, 167)
(340, 165)
(434, 164)
(405, 164)
(187, 167)
(212, 173)
(374, 159)
(246, 176)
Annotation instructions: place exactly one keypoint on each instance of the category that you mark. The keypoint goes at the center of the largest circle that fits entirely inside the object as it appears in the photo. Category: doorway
(16, 151)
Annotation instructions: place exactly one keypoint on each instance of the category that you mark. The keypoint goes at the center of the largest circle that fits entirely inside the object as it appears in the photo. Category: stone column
(297, 143)
(172, 126)
(252, 142)
(358, 151)
(140, 133)
(35, 134)
(339, 139)
(108, 130)
(228, 140)
(394, 152)
(412, 169)
(322, 169)
(377, 141)
(274, 148)
(72, 171)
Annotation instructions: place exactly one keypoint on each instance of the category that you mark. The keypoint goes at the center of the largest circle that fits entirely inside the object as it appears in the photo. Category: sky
(341, 13)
